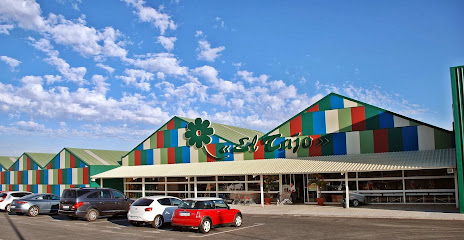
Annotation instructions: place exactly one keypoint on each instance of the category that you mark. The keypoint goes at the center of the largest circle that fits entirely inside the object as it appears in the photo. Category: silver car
(35, 204)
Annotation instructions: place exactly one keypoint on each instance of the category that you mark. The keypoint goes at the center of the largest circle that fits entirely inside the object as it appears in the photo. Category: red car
(204, 213)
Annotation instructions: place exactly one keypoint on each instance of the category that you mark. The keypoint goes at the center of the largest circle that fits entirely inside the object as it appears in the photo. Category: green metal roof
(6, 162)
(97, 157)
(40, 158)
(230, 133)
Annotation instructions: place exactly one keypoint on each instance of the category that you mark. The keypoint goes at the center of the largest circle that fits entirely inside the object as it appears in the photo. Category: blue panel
(7, 177)
(57, 162)
(410, 139)
(339, 143)
(139, 147)
(174, 139)
(26, 177)
(69, 175)
(45, 177)
(1, 187)
(386, 120)
(279, 153)
(336, 102)
(319, 122)
(214, 139)
(183, 124)
(186, 154)
(16, 187)
(149, 157)
(82, 164)
(230, 155)
(36, 188)
(56, 189)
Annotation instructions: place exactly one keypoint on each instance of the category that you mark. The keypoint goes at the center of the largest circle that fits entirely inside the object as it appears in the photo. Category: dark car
(36, 204)
(91, 203)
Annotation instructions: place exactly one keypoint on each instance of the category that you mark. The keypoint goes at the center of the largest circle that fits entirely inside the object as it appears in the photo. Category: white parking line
(207, 235)
(152, 231)
(114, 227)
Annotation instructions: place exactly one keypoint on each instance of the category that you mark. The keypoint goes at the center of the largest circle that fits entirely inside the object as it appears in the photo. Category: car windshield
(143, 202)
(190, 204)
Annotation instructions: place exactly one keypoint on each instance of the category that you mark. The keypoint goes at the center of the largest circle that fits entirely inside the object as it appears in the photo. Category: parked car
(7, 197)
(155, 210)
(355, 199)
(91, 203)
(204, 213)
(35, 204)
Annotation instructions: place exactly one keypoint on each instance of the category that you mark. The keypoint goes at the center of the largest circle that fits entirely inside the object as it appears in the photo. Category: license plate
(184, 214)
(133, 218)
(65, 207)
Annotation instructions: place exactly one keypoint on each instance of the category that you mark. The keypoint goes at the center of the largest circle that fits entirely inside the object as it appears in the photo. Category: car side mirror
(228, 207)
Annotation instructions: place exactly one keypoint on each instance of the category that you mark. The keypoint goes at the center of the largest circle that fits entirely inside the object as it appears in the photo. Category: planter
(267, 201)
(320, 201)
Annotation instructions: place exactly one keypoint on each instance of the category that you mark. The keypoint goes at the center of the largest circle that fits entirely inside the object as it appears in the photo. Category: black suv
(90, 203)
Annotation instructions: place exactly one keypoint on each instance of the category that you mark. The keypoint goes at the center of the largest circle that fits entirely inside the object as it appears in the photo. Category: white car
(154, 210)
(7, 197)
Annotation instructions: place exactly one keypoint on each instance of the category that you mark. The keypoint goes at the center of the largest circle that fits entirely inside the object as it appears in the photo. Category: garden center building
(387, 157)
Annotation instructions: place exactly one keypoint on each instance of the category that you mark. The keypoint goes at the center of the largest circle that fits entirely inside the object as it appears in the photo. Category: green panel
(167, 139)
(153, 140)
(164, 155)
(177, 123)
(143, 157)
(442, 139)
(116, 183)
(80, 173)
(52, 163)
(307, 124)
(302, 152)
(372, 118)
(328, 148)
(55, 177)
(285, 130)
(178, 153)
(366, 139)
(131, 159)
(33, 180)
(412, 123)
(324, 104)
(248, 155)
(344, 119)
(395, 139)
(65, 176)
(217, 148)
(165, 127)
(96, 169)
(268, 155)
(67, 159)
(202, 155)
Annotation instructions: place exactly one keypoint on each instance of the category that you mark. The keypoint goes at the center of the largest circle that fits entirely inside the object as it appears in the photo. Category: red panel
(60, 176)
(49, 188)
(137, 160)
(72, 186)
(72, 161)
(160, 139)
(85, 177)
(259, 154)
(10, 188)
(381, 140)
(28, 187)
(171, 125)
(37, 177)
(171, 155)
(315, 150)
(212, 149)
(315, 108)
(19, 177)
(49, 166)
(358, 119)
(28, 160)
(295, 126)
(2, 177)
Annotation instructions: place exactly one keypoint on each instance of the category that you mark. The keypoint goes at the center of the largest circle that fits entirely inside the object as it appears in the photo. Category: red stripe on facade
(380, 140)
(49, 188)
(212, 149)
(49, 166)
(295, 126)
(160, 139)
(60, 176)
(72, 161)
(10, 188)
(19, 174)
(85, 175)
(137, 160)
(72, 186)
(315, 150)
(259, 154)
(28, 160)
(28, 188)
(2, 177)
(358, 119)
(171, 125)
(315, 108)
(171, 155)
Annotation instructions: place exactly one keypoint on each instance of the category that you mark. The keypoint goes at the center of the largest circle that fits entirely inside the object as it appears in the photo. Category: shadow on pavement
(15, 229)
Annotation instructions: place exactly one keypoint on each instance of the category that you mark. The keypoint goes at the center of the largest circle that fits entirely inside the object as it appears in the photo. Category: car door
(43, 203)
(121, 203)
(222, 211)
(54, 203)
(211, 211)
(170, 209)
(166, 205)
(108, 203)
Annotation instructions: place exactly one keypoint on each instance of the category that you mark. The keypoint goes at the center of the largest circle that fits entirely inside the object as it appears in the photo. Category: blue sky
(106, 74)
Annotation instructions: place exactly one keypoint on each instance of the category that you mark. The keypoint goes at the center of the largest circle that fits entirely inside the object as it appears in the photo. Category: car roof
(203, 199)
(17, 192)
(158, 197)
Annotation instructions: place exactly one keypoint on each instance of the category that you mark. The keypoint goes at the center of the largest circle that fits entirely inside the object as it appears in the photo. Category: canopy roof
(442, 158)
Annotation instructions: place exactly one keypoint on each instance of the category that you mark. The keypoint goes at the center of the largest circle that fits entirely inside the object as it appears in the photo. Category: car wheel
(8, 208)
(91, 215)
(355, 203)
(33, 211)
(238, 220)
(157, 222)
(205, 225)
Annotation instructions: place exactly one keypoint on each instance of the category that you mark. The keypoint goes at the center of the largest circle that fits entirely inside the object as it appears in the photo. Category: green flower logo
(199, 133)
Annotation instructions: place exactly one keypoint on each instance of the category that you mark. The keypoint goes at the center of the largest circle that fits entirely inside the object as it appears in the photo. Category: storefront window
(177, 179)
(231, 178)
(134, 195)
(253, 187)
(207, 187)
(177, 187)
(134, 187)
(426, 172)
(204, 179)
(253, 177)
(154, 187)
(381, 185)
(133, 179)
(380, 174)
(446, 183)
(156, 179)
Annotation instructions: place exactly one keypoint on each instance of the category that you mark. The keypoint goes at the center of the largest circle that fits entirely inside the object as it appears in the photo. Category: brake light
(1, 199)
(148, 209)
(198, 214)
(77, 205)
(21, 202)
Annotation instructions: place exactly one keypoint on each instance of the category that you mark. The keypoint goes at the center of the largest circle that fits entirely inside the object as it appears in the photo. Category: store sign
(199, 132)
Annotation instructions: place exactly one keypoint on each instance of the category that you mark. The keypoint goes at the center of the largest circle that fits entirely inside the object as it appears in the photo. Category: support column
(281, 187)
(188, 187)
(261, 188)
(165, 186)
(101, 182)
(143, 187)
(217, 187)
(404, 187)
(456, 188)
(195, 187)
(347, 191)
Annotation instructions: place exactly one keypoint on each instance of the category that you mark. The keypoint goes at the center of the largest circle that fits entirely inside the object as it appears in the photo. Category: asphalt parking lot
(254, 227)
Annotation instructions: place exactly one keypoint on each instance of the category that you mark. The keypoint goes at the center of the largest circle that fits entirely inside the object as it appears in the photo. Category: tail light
(21, 202)
(148, 209)
(77, 205)
(198, 214)
(1, 199)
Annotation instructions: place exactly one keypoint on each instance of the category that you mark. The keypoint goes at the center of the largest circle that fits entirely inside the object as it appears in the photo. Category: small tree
(319, 181)
(268, 183)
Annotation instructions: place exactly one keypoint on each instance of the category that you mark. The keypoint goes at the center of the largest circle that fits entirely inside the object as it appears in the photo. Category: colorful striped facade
(347, 126)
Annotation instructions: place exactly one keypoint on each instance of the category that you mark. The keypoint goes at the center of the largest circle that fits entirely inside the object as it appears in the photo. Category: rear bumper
(72, 213)
(186, 222)
(24, 208)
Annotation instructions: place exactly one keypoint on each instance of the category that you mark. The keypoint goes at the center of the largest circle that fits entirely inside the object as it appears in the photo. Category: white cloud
(205, 52)
(138, 78)
(198, 33)
(248, 76)
(25, 13)
(167, 42)
(13, 63)
(160, 62)
(5, 28)
(50, 79)
(219, 23)
(148, 14)
(107, 68)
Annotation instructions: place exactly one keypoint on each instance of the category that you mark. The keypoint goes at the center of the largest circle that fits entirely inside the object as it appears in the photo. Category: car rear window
(196, 204)
(19, 194)
(2, 195)
(71, 193)
(143, 202)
